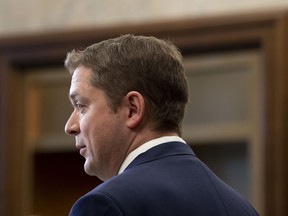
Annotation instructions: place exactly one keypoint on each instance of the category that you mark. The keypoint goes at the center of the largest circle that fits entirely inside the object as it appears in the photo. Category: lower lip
(82, 151)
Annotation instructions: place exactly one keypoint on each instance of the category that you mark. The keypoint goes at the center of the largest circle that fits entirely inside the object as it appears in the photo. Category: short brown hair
(151, 66)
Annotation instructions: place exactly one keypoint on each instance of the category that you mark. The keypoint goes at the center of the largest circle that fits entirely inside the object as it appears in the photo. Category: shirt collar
(146, 146)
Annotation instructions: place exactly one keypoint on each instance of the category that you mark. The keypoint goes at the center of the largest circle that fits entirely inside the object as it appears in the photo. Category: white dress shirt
(146, 146)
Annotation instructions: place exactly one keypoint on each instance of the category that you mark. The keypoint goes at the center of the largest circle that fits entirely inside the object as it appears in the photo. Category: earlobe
(136, 106)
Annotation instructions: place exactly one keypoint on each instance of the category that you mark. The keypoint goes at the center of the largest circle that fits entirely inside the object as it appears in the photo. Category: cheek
(88, 127)
(88, 121)
(100, 128)
(96, 129)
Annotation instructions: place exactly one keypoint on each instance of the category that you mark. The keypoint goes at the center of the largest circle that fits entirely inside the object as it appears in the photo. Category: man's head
(147, 65)
(125, 92)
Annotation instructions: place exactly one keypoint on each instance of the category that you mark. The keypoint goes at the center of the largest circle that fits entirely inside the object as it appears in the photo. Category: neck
(142, 138)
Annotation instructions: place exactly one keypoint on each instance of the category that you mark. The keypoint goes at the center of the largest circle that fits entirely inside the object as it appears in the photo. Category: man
(129, 95)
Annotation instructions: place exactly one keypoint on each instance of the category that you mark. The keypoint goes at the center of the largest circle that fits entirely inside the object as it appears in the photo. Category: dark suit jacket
(167, 180)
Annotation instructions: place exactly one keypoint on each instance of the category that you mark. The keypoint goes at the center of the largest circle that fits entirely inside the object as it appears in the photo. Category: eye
(80, 107)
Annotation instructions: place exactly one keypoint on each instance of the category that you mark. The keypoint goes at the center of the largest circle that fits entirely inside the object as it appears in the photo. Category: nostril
(73, 133)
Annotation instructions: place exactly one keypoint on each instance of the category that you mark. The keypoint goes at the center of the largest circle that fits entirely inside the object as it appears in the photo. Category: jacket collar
(160, 151)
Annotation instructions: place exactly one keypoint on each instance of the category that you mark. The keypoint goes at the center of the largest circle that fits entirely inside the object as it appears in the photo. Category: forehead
(82, 89)
(81, 75)
(80, 82)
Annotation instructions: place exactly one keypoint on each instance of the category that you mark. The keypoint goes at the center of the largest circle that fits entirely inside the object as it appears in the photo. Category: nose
(72, 125)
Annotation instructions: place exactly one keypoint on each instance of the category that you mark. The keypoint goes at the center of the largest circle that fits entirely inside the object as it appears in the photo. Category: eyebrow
(75, 96)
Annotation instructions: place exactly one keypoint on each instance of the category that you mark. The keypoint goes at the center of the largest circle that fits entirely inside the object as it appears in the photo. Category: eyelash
(79, 107)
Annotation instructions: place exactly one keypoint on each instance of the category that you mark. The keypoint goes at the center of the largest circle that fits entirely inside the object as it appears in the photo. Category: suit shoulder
(95, 202)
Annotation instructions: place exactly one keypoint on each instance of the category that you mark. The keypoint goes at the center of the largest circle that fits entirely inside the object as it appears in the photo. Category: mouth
(82, 149)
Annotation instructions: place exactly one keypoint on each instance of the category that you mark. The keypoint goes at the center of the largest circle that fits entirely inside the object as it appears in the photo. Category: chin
(87, 168)
(88, 172)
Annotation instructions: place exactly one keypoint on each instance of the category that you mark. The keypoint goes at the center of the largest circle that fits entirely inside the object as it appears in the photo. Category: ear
(136, 107)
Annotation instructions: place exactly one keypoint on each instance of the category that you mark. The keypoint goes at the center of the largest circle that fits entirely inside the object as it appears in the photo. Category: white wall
(26, 16)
